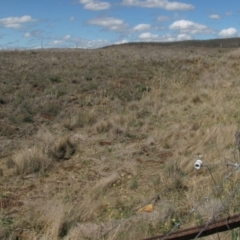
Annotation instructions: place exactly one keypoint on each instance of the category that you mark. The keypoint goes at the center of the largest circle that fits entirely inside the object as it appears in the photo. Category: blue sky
(97, 23)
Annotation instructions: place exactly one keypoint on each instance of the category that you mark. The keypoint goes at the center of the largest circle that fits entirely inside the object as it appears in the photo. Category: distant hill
(212, 43)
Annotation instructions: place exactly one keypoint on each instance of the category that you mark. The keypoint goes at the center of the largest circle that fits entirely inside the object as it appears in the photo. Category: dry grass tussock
(41, 156)
(95, 135)
(50, 217)
(31, 160)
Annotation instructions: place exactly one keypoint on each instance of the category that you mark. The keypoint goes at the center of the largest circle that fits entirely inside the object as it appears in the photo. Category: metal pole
(221, 225)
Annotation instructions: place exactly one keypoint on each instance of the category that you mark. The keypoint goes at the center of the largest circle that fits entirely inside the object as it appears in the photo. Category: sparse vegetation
(87, 137)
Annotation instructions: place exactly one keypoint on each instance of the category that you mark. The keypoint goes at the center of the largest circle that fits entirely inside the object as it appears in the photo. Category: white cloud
(95, 5)
(16, 22)
(165, 4)
(189, 27)
(32, 34)
(61, 40)
(142, 27)
(66, 42)
(67, 37)
(215, 16)
(147, 35)
(230, 32)
(56, 42)
(83, 43)
(228, 13)
(182, 37)
(109, 23)
(162, 18)
(71, 19)
(121, 42)
(27, 35)
(178, 6)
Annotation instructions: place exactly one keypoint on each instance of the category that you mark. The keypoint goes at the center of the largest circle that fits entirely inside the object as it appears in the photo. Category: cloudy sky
(96, 23)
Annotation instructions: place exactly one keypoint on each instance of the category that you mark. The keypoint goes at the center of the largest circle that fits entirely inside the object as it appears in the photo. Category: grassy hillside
(88, 137)
(210, 43)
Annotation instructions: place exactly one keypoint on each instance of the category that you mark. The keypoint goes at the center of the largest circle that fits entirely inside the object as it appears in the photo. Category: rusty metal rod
(220, 225)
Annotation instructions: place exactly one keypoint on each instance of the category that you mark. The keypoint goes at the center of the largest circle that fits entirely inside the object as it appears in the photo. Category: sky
(32, 24)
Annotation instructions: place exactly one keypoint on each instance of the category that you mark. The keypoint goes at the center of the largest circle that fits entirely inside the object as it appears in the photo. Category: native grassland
(88, 137)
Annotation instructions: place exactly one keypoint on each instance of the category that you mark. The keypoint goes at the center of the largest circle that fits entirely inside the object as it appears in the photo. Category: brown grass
(31, 160)
(107, 129)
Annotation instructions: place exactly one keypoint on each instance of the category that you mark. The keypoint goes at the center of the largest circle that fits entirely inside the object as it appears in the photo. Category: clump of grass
(55, 79)
(196, 99)
(84, 231)
(5, 226)
(50, 218)
(63, 149)
(28, 119)
(103, 126)
(7, 130)
(80, 120)
(106, 182)
(115, 124)
(87, 78)
(134, 184)
(53, 109)
(31, 160)
(94, 198)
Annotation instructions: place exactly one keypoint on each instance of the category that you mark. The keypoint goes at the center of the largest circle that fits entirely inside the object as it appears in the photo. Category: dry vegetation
(88, 137)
